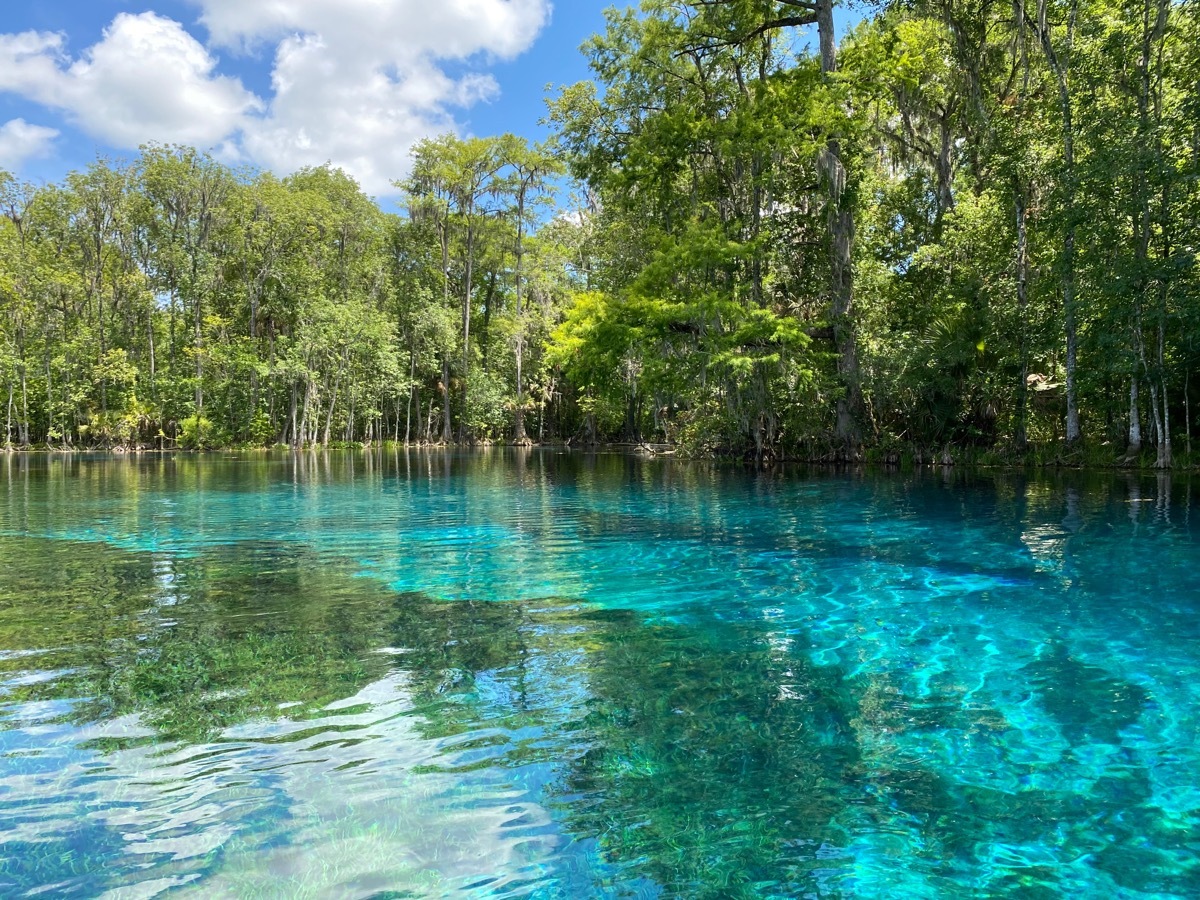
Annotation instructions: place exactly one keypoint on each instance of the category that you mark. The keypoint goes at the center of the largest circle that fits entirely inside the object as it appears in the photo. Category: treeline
(963, 226)
(174, 301)
(970, 224)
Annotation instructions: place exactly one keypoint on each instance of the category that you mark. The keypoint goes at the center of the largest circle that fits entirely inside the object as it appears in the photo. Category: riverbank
(1102, 458)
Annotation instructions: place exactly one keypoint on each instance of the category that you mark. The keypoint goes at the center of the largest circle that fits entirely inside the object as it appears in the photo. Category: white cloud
(359, 81)
(146, 80)
(383, 29)
(20, 141)
(355, 82)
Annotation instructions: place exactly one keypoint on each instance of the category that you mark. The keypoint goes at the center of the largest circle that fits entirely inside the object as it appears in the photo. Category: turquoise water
(546, 675)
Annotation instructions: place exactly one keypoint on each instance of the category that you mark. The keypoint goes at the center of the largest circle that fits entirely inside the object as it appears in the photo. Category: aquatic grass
(588, 676)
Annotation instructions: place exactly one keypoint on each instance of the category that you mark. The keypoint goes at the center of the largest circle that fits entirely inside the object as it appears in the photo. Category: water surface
(547, 675)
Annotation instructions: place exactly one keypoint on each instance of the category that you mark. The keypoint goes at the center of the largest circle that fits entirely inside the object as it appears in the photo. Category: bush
(197, 433)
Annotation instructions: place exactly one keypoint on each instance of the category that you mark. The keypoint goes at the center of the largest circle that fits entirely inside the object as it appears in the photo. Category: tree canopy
(963, 226)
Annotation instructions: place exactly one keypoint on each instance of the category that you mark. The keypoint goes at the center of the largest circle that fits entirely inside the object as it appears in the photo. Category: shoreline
(871, 458)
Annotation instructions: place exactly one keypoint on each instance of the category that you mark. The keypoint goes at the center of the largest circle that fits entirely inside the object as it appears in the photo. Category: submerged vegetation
(416, 672)
(966, 228)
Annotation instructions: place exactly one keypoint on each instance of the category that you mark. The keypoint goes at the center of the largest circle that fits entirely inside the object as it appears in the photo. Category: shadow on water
(257, 716)
(1086, 701)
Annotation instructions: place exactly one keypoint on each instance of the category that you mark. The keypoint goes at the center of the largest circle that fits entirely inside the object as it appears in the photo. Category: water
(545, 675)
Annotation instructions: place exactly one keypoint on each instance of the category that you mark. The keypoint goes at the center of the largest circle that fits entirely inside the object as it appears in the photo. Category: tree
(531, 167)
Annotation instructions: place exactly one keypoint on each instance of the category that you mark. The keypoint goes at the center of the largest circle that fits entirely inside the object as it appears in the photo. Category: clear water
(544, 675)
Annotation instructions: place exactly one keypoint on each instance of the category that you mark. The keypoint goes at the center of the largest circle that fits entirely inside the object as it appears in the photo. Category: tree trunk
(337, 383)
(945, 173)
(546, 398)
(1022, 212)
(24, 427)
(329, 413)
(1164, 460)
(446, 436)
(466, 330)
(1074, 432)
(417, 415)
(841, 236)
(519, 436)
(199, 339)
(150, 339)
(489, 300)
(444, 235)
(1065, 103)
(412, 389)
(103, 352)
(308, 386)
(1150, 34)
(1164, 444)
(1135, 421)
(295, 434)
(631, 426)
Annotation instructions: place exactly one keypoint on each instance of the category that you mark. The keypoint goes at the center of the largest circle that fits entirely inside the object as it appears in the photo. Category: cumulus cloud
(354, 82)
(147, 79)
(359, 81)
(447, 29)
(20, 141)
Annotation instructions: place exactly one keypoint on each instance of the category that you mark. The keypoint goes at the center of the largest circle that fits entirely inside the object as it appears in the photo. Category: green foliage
(260, 431)
(197, 433)
(965, 225)
(983, 198)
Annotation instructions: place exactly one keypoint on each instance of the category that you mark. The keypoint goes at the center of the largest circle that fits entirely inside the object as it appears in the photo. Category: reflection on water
(543, 675)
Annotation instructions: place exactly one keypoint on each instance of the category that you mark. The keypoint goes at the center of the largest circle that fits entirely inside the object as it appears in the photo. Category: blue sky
(277, 85)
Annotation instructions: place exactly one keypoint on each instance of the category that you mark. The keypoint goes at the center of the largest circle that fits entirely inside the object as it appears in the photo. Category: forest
(962, 230)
